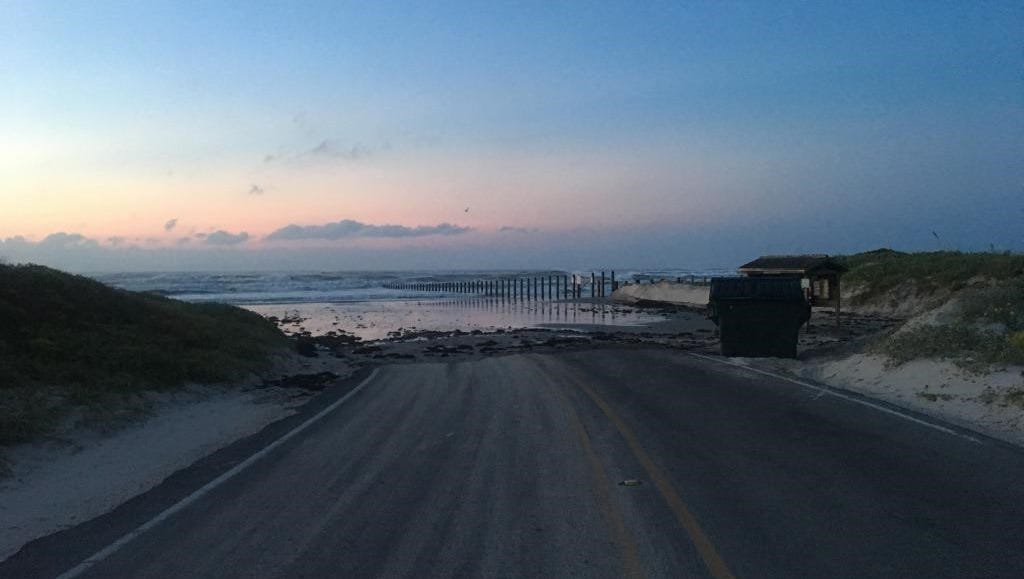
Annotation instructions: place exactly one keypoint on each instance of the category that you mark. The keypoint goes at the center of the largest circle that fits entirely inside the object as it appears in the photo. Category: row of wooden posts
(549, 287)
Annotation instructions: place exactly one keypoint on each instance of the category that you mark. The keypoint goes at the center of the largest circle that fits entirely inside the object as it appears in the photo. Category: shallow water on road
(374, 320)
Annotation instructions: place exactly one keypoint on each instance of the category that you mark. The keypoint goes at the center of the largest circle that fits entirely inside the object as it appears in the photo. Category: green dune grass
(987, 327)
(880, 271)
(67, 340)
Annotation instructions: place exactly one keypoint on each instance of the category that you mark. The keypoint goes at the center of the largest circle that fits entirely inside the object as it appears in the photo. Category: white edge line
(205, 489)
(830, 392)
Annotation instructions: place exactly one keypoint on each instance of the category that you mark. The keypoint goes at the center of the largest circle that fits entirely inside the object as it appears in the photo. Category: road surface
(603, 463)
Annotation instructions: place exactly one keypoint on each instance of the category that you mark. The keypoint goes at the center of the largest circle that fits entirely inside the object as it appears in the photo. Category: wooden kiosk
(818, 273)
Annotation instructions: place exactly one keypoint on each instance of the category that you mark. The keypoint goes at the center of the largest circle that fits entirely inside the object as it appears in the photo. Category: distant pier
(525, 288)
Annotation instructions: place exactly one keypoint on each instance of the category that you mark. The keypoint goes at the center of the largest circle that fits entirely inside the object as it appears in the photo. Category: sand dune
(663, 291)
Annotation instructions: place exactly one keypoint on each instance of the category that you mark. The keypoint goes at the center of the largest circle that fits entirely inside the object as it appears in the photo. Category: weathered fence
(549, 287)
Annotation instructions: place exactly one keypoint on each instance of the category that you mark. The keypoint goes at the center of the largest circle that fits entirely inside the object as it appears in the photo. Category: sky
(470, 135)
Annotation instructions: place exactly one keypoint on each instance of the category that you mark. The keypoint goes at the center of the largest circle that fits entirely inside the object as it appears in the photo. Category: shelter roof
(791, 264)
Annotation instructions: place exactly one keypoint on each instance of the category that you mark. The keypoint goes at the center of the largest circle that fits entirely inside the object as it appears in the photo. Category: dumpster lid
(756, 288)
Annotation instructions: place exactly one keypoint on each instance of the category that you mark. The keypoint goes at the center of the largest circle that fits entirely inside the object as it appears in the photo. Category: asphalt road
(603, 463)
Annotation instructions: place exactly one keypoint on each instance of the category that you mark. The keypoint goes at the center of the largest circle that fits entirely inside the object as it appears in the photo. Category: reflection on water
(373, 320)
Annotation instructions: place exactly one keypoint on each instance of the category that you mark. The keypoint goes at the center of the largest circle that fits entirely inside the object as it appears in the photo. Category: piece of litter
(632, 482)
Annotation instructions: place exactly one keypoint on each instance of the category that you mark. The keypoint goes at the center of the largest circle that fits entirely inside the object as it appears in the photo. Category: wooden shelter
(819, 275)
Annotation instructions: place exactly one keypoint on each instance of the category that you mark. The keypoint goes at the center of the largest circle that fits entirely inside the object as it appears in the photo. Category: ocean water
(367, 305)
(251, 288)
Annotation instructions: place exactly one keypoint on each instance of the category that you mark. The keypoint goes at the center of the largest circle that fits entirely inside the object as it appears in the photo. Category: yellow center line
(705, 548)
(621, 536)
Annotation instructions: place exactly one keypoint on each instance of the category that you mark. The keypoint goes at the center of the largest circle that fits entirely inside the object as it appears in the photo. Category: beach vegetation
(1015, 397)
(969, 347)
(876, 273)
(1016, 341)
(68, 341)
(935, 396)
(986, 327)
(988, 396)
(1010, 397)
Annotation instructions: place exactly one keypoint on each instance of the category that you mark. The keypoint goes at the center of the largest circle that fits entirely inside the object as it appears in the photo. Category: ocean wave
(278, 287)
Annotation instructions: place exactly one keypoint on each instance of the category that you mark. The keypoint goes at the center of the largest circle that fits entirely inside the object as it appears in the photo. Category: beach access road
(614, 462)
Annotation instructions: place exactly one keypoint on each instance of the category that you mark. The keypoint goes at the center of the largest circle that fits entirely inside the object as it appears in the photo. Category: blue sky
(662, 134)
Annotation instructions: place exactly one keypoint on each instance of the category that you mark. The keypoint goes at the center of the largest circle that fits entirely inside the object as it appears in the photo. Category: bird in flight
(467, 210)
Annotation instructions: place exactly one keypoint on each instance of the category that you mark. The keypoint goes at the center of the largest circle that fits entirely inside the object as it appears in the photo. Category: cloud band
(348, 229)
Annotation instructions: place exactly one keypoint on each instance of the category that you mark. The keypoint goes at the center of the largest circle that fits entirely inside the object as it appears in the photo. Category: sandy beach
(79, 474)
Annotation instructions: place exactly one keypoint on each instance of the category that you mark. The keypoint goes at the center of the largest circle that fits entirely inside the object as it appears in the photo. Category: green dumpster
(758, 316)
